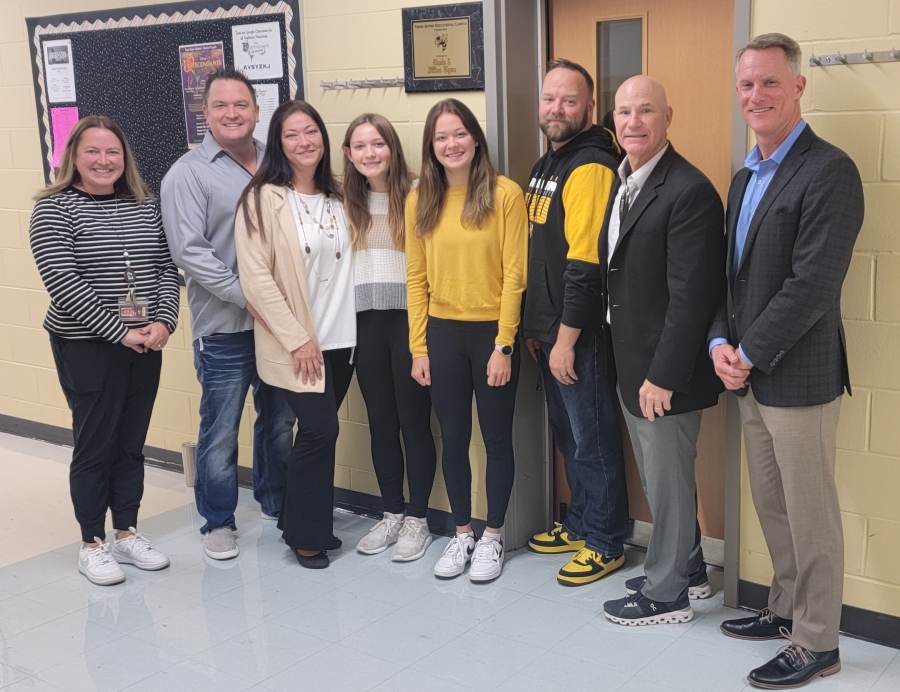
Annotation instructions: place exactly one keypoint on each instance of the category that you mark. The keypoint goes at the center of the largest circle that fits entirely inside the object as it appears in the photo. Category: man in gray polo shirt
(198, 197)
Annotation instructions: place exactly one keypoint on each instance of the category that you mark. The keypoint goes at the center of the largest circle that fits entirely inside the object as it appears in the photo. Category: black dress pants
(306, 520)
(395, 403)
(110, 389)
(458, 356)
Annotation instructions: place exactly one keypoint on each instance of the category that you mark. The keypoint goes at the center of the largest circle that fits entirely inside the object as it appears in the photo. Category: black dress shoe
(764, 625)
(318, 561)
(795, 666)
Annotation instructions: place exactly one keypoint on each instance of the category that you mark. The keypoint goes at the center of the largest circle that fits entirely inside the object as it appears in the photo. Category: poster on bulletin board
(146, 68)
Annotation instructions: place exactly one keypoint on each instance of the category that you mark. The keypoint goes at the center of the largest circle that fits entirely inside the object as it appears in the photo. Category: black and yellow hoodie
(567, 198)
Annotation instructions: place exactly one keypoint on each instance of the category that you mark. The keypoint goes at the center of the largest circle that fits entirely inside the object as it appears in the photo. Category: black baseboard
(857, 622)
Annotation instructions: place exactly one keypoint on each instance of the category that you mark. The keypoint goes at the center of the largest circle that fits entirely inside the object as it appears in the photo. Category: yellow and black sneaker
(588, 566)
(556, 540)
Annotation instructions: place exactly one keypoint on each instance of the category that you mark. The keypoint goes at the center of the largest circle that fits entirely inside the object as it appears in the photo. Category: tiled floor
(261, 622)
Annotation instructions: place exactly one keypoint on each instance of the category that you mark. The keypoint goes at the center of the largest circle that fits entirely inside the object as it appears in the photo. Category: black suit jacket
(663, 281)
(783, 303)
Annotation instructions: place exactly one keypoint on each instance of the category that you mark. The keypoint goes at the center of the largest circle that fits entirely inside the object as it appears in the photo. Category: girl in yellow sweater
(466, 248)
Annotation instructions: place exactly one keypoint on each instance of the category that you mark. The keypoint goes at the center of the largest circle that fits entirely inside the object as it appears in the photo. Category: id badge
(133, 309)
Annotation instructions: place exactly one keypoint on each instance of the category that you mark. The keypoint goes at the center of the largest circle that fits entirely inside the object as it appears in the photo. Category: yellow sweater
(468, 274)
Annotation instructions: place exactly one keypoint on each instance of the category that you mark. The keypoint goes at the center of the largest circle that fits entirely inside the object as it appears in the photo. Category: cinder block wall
(857, 108)
(30, 388)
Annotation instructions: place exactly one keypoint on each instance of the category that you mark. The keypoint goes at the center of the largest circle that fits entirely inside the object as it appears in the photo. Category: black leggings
(395, 403)
(110, 389)
(306, 520)
(458, 356)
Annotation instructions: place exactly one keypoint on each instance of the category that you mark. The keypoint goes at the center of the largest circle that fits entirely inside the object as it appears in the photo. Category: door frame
(516, 39)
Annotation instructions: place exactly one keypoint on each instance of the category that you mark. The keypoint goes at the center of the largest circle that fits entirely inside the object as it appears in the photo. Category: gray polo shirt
(198, 198)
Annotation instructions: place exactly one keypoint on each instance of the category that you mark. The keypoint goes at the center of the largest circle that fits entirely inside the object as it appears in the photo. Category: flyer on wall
(257, 50)
(267, 100)
(59, 71)
(197, 62)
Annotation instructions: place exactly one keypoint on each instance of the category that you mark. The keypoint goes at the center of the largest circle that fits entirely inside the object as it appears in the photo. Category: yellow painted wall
(30, 388)
(858, 109)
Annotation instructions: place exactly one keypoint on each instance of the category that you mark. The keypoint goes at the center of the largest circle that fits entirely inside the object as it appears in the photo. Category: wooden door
(688, 46)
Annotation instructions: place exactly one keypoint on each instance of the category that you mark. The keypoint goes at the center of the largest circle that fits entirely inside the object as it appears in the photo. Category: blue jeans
(586, 430)
(226, 368)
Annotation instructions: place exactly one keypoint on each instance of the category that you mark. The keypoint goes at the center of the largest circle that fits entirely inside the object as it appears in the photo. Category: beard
(571, 127)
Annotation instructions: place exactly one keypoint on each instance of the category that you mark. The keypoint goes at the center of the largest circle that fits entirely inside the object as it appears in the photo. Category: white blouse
(329, 268)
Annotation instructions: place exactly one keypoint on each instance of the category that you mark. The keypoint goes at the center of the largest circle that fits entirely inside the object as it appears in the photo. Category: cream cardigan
(273, 279)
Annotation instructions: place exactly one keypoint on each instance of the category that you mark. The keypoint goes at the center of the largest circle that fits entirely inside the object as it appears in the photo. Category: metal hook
(840, 57)
(867, 55)
(813, 60)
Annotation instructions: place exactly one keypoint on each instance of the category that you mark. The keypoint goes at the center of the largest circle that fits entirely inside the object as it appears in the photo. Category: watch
(504, 349)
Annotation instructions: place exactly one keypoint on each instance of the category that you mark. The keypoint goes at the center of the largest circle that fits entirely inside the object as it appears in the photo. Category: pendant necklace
(130, 275)
(334, 234)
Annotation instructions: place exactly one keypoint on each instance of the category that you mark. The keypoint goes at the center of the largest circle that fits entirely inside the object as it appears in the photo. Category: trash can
(189, 461)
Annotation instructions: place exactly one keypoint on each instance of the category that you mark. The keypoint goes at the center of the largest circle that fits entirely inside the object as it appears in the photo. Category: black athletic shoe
(698, 584)
(637, 609)
(764, 625)
(795, 666)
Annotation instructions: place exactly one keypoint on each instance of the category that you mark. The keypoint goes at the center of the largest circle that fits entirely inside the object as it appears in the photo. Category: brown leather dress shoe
(764, 625)
(795, 666)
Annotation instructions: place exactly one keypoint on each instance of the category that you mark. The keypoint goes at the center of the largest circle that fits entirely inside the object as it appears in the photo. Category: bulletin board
(145, 67)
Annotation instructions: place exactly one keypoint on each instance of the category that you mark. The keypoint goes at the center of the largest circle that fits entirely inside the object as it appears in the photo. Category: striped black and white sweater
(380, 267)
(78, 242)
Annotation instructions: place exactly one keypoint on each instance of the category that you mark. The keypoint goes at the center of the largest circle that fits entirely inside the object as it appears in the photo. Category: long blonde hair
(129, 183)
(356, 186)
(433, 180)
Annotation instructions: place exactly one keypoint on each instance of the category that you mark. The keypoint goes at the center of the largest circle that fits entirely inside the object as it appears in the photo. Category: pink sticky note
(62, 121)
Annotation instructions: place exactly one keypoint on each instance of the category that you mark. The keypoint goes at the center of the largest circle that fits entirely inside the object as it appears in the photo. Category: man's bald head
(642, 116)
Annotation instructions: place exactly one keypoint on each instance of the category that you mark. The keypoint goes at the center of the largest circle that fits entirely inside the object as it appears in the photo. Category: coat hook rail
(363, 83)
(832, 59)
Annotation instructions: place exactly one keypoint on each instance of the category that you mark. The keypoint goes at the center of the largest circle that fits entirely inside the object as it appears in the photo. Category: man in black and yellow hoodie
(563, 321)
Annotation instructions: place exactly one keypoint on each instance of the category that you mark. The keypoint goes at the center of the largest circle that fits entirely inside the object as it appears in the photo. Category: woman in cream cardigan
(295, 261)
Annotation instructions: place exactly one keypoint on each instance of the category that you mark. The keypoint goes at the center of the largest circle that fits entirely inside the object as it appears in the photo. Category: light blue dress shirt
(761, 173)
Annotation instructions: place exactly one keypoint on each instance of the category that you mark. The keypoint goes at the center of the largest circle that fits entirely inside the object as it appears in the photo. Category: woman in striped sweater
(98, 241)
(376, 183)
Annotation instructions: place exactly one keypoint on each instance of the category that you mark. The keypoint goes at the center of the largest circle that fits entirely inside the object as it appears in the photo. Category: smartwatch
(504, 349)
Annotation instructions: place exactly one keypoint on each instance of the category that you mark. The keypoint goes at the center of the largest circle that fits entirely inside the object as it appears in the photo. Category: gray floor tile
(464, 603)
(410, 680)
(54, 642)
(193, 676)
(272, 595)
(346, 566)
(625, 649)
(478, 660)
(403, 637)
(334, 668)
(109, 668)
(209, 578)
(862, 663)
(890, 678)
(19, 614)
(708, 630)
(335, 615)
(137, 606)
(9, 675)
(724, 670)
(555, 672)
(398, 589)
(35, 572)
(69, 594)
(195, 630)
(638, 685)
(524, 572)
(832, 683)
(537, 622)
(261, 652)
(31, 685)
(6, 594)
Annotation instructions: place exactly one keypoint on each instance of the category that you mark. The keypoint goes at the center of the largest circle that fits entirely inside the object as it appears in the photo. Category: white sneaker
(219, 543)
(456, 555)
(382, 535)
(136, 550)
(413, 541)
(487, 561)
(98, 565)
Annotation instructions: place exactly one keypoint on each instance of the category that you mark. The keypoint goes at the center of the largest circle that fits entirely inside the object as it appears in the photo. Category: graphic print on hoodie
(568, 193)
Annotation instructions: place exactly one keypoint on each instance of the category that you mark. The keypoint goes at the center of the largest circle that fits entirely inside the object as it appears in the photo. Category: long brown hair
(275, 169)
(129, 183)
(356, 186)
(433, 180)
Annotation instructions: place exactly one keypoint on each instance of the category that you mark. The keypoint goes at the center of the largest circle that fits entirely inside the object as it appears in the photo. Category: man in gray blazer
(777, 341)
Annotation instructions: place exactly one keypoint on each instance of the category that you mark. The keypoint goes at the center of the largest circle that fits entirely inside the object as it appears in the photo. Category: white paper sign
(257, 50)
(59, 71)
(267, 100)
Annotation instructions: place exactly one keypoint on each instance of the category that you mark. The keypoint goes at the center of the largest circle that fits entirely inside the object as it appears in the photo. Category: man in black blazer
(662, 249)
(793, 215)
